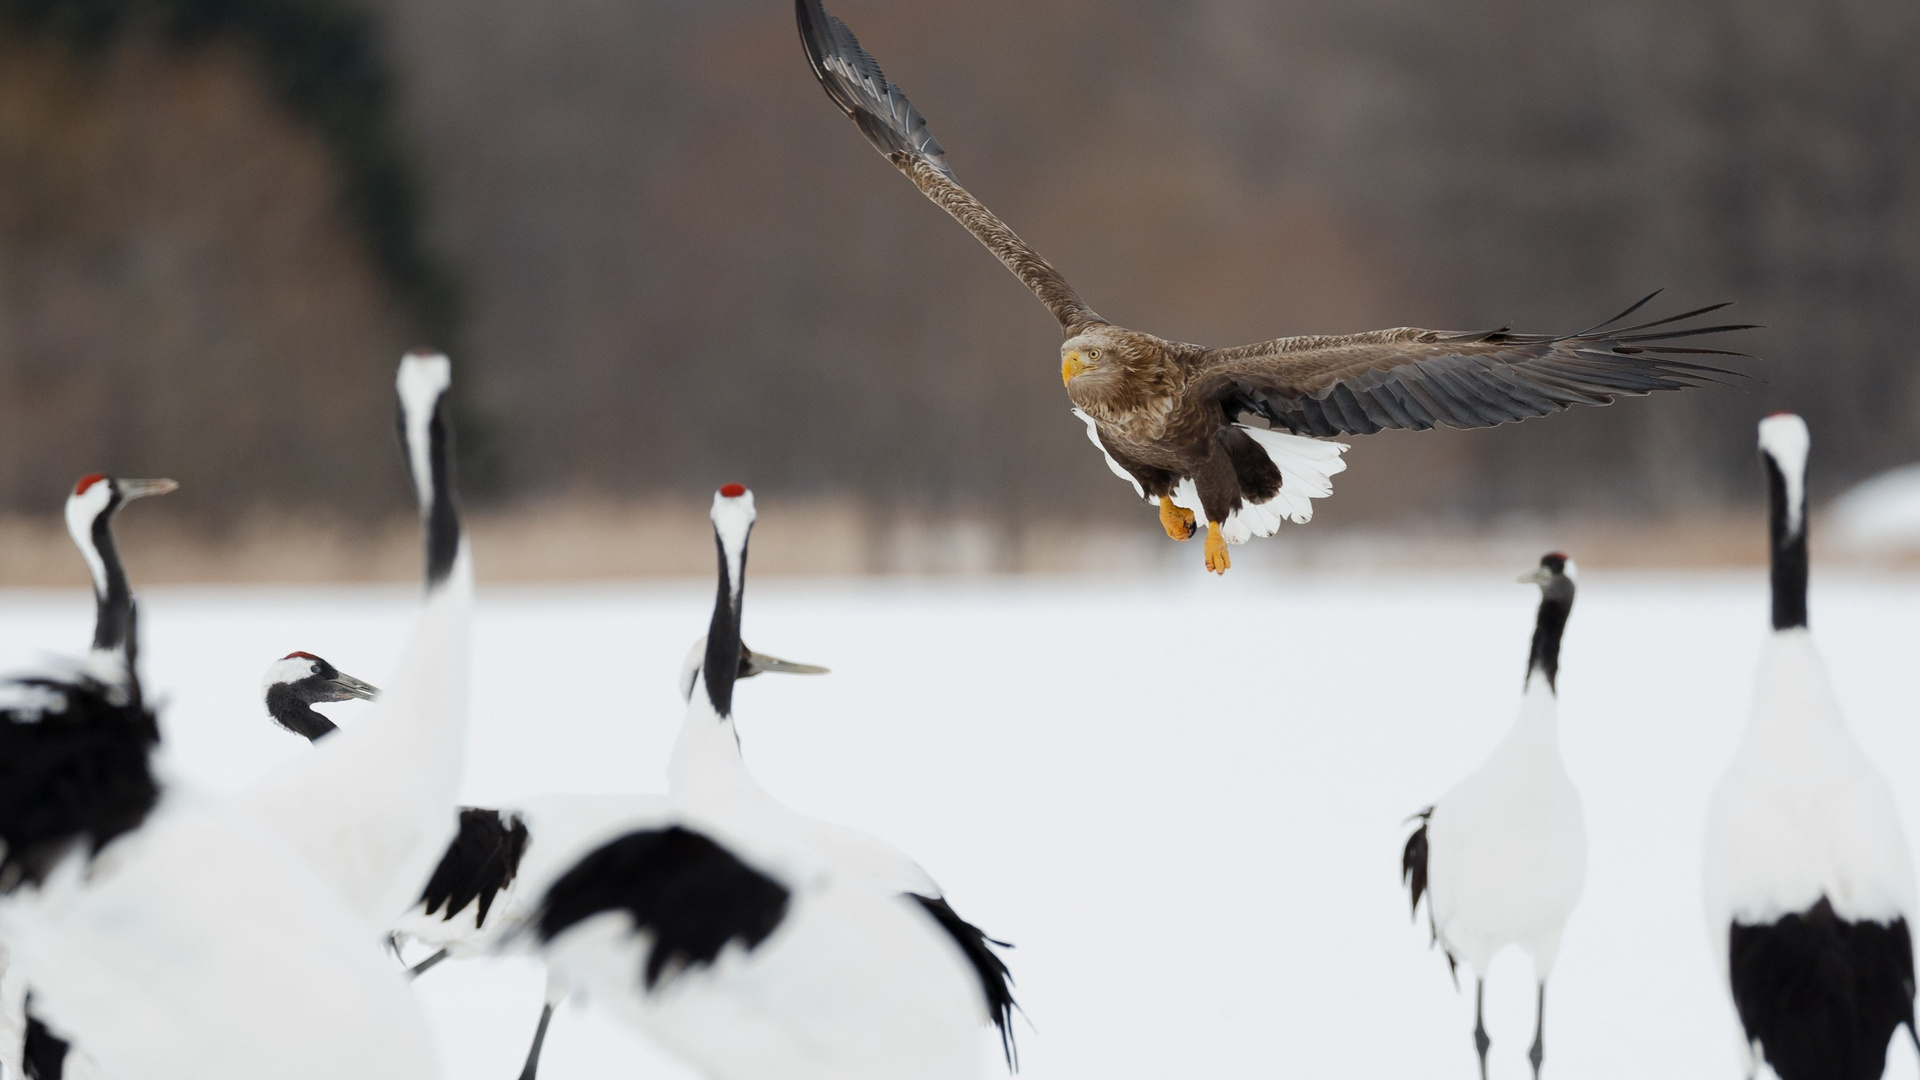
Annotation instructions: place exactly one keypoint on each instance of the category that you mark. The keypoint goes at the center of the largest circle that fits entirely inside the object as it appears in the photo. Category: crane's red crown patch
(733, 491)
(88, 481)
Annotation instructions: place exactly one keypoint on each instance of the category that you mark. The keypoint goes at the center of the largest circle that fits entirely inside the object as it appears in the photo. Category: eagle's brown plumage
(1166, 412)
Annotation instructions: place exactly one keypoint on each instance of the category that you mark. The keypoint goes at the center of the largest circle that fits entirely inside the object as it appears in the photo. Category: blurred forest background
(663, 260)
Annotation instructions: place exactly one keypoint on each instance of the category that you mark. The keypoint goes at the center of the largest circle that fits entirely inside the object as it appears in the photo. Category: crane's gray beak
(754, 663)
(344, 687)
(140, 489)
(1540, 575)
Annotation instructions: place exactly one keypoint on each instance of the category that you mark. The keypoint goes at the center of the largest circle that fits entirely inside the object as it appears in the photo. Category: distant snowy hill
(1881, 514)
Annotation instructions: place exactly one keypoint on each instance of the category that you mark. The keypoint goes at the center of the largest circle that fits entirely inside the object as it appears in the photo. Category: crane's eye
(315, 669)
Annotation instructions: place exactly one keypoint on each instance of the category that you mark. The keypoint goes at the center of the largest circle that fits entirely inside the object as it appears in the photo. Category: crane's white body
(857, 983)
(372, 808)
(840, 990)
(1507, 847)
(707, 781)
(1801, 813)
(847, 988)
(168, 959)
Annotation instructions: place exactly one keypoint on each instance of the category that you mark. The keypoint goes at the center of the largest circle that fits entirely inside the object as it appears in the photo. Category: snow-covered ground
(1183, 799)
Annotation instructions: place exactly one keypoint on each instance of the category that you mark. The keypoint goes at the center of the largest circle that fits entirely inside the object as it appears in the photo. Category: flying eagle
(1173, 419)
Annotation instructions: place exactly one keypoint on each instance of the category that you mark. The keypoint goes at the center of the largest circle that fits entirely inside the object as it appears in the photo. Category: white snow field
(1183, 799)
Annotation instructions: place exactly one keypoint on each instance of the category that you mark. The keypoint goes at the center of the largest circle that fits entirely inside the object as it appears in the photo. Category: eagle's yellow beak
(1072, 365)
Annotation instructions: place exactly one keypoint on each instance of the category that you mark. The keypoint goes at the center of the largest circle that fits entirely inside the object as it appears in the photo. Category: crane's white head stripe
(733, 517)
(422, 381)
(84, 507)
(1784, 438)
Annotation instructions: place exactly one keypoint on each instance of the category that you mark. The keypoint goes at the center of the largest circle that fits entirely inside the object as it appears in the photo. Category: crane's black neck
(721, 667)
(1787, 536)
(297, 715)
(1556, 603)
(112, 596)
(441, 510)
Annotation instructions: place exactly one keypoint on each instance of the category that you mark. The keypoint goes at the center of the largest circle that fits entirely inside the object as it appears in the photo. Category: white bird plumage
(168, 959)
(1503, 855)
(1801, 812)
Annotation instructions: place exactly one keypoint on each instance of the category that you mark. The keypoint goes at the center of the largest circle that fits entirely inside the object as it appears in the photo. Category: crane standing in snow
(1809, 881)
(1502, 857)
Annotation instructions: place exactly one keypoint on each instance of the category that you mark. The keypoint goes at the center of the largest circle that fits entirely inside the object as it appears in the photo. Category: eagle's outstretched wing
(1358, 384)
(853, 79)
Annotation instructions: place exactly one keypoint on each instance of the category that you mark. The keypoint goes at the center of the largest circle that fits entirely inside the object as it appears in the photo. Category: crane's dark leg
(1480, 1040)
(1539, 1051)
(539, 1037)
(426, 965)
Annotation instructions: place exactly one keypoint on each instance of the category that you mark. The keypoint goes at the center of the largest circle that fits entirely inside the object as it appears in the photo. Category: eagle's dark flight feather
(1358, 384)
(853, 79)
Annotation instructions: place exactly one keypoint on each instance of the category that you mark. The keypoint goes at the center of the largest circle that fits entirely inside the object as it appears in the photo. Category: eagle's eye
(1093, 354)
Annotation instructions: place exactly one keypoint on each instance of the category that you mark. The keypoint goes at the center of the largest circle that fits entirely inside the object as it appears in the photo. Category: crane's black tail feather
(996, 982)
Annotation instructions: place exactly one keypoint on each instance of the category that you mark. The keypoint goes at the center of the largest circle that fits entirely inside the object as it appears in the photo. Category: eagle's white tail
(1307, 467)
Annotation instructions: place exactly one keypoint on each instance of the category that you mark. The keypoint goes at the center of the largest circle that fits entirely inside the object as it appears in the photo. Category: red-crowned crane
(1809, 880)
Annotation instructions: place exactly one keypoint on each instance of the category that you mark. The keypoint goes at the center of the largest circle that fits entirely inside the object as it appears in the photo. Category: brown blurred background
(664, 260)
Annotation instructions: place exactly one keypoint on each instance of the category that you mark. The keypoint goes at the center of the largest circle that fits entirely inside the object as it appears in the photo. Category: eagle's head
(1107, 365)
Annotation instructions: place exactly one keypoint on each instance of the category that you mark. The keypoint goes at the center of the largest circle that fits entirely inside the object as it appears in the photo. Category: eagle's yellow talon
(1217, 560)
(1177, 520)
